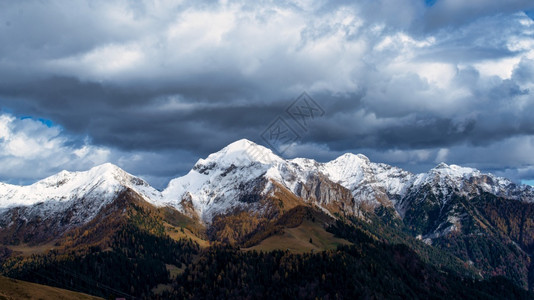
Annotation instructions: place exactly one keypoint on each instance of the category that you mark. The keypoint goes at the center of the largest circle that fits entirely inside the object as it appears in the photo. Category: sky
(153, 86)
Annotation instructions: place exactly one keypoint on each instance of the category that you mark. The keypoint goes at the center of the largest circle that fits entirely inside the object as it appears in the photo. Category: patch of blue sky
(48, 123)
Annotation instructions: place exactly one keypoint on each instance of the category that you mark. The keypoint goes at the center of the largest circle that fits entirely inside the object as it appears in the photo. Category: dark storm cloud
(168, 83)
(132, 118)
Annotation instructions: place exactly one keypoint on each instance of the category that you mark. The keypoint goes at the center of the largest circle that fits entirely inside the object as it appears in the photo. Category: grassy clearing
(174, 270)
(177, 233)
(26, 250)
(297, 239)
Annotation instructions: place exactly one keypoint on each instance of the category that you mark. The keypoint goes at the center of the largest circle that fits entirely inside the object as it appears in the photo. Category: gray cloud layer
(403, 82)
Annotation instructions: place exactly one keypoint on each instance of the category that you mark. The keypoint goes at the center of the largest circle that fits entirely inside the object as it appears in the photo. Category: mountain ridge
(375, 183)
(244, 194)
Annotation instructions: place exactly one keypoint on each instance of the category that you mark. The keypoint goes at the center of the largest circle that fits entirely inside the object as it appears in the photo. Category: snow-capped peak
(240, 153)
(369, 182)
(101, 183)
(454, 171)
(108, 168)
(102, 173)
(347, 167)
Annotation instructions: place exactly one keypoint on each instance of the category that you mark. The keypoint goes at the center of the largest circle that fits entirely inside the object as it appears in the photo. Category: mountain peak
(106, 168)
(351, 157)
(241, 144)
(442, 165)
(107, 172)
(242, 152)
(347, 166)
(453, 171)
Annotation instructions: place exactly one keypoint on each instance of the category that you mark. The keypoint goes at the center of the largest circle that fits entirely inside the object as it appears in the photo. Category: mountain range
(246, 196)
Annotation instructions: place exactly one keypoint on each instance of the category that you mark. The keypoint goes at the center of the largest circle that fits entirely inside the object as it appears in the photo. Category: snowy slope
(215, 184)
(370, 182)
(227, 179)
(445, 179)
(95, 188)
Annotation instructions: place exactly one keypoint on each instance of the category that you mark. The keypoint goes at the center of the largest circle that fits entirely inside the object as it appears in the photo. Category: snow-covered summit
(347, 168)
(446, 181)
(240, 153)
(454, 171)
(371, 182)
(218, 182)
(101, 183)
(464, 179)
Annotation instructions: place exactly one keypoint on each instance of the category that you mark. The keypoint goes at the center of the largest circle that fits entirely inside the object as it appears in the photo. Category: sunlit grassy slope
(297, 239)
